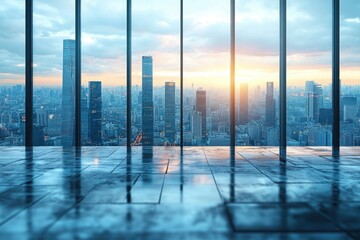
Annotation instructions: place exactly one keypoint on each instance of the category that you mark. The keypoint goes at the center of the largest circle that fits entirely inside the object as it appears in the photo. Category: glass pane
(54, 72)
(257, 73)
(309, 92)
(206, 73)
(12, 73)
(103, 98)
(350, 72)
(155, 90)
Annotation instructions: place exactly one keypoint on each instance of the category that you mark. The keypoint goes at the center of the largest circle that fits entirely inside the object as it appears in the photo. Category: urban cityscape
(156, 113)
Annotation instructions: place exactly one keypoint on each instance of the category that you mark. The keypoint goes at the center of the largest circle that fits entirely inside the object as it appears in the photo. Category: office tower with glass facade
(84, 117)
(68, 94)
(314, 100)
(170, 111)
(95, 112)
(346, 104)
(244, 104)
(201, 107)
(270, 105)
(147, 102)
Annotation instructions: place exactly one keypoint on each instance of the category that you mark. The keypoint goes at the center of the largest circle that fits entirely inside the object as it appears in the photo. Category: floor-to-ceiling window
(257, 73)
(349, 73)
(155, 76)
(309, 78)
(206, 73)
(54, 72)
(103, 91)
(155, 72)
(12, 73)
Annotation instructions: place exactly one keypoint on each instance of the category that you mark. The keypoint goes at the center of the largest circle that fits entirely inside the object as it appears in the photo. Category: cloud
(156, 31)
(353, 20)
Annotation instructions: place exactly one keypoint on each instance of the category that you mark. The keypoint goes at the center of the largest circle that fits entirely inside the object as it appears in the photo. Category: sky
(156, 31)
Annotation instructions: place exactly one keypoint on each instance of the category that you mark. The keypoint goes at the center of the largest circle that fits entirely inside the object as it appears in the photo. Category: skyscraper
(68, 94)
(95, 112)
(201, 107)
(244, 104)
(270, 105)
(346, 102)
(84, 117)
(196, 128)
(170, 111)
(147, 102)
(314, 100)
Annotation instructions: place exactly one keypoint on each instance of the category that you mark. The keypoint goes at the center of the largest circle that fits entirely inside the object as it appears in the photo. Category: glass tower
(270, 105)
(170, 111)
(95, 112)
(201, 107)
(68, 94)
(147, 102)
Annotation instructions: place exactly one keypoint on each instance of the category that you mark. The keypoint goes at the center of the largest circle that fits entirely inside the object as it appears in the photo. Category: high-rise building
(244, 104)
(201, 107)
(95, 112)
(68, 94)
(147, 102)
(170, 111)
(38, 136)
(325, 116)
(270, 105)
(314, 100)
(196, 126)
(346, 102)
(84, 117)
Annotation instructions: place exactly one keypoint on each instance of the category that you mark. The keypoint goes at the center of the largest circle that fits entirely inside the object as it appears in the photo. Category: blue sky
(206, 40)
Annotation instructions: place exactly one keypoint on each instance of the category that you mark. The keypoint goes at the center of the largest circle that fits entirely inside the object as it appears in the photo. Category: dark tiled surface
(154, 193)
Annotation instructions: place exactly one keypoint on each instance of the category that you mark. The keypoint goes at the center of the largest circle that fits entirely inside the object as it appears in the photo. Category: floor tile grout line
(228, 215)
(330, 219)
(118, 165)
(47, 228)
(162, 185)
(216, 185)
(133, 184)
(256, 167)
(21, 210)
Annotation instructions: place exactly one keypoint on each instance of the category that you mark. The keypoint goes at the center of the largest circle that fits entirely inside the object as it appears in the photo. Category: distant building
(325, 116)
(84, 117)
(68, 94)
(351, 113)
(201, 107)
(170, 111)
(347, 102)
(270, 105)
(244, 104)
(38, 136)
(95, 112)
(314, 100)
(196, 126)
(147, 102)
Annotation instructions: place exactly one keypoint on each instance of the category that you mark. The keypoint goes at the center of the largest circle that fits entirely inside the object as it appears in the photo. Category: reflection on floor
(104, 192)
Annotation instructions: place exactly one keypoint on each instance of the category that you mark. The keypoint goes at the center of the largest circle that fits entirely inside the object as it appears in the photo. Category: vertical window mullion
(29, 73)
(336, 77)
(181, 73)
(282, 101)
(128, 73)
(77, 119)
(232, 73)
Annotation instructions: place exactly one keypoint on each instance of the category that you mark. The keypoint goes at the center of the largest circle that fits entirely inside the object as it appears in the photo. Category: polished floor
(155, 193)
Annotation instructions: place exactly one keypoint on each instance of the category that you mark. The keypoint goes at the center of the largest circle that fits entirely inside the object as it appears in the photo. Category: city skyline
(155, 105)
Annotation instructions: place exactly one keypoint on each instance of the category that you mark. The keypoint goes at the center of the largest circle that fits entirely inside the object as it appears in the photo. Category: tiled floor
(155, 193)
